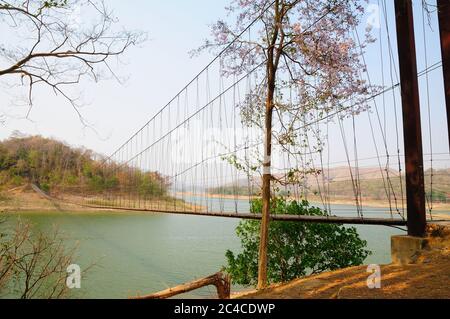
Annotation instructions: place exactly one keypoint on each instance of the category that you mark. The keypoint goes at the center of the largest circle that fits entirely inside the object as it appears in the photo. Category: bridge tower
(412, 129)
(444, 27)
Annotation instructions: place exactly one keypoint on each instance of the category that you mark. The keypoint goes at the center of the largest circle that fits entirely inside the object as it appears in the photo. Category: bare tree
(48, 46)
(34, 265)
(5, 264)
(41, 268)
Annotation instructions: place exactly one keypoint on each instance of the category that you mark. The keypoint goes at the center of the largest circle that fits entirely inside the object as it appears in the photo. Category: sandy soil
(428, 277)
(24, 199)
(27, 201)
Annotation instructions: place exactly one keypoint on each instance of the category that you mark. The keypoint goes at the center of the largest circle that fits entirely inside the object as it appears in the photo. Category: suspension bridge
(203, 153)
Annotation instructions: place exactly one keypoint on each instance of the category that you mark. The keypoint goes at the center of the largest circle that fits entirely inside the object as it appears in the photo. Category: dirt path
(429, 277)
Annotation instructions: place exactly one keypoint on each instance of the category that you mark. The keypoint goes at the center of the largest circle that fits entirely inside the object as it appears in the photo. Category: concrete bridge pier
(406, 249)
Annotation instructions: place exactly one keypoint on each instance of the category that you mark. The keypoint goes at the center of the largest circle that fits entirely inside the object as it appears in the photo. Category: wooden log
(220, 281)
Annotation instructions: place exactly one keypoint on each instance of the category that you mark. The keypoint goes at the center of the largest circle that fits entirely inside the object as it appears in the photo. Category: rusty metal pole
(415, 182)
(444, 27)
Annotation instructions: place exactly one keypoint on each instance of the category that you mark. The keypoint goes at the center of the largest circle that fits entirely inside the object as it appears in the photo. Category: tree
(48, 48)
(294, 249)
(33, 265)
(57, 168)
(306, 46)
(5, 265)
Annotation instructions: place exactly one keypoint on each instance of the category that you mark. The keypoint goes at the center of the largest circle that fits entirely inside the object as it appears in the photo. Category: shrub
(295, 249)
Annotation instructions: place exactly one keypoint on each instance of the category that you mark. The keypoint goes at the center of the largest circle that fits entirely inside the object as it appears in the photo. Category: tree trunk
(273, 58)
(219, 280)
(267, 177)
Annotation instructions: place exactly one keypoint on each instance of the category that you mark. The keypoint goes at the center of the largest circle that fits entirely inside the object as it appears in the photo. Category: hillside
(59, 168)
(337, 183)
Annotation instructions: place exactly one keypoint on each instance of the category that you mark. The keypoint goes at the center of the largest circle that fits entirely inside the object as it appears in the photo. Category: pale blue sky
(161, 67)
(156, 72)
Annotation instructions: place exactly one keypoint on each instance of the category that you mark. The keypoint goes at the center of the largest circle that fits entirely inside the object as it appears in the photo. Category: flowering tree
(47, 45)
(306, 46)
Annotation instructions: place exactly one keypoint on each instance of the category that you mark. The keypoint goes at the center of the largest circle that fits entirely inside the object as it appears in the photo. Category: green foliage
(46, 4)
(54, 4)
(45, 187)
(437, 196)
(3, 199)
(54, 166)
(149, 186)
(295, 249)
(234, 191)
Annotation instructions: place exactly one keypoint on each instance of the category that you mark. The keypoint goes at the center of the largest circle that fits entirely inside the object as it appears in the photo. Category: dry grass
(429, 277)
(25, 199)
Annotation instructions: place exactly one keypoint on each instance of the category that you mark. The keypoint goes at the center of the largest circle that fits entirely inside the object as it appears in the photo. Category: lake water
(144, 253)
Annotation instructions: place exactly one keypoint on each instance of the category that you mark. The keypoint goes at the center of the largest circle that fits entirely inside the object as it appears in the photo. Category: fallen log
(220, 281)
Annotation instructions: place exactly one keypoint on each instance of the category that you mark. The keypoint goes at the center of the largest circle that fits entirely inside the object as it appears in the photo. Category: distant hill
(344, 173)
(57, 167)
(337, 182)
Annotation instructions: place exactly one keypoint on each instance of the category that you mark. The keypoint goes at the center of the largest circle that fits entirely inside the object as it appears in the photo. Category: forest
(56, 167)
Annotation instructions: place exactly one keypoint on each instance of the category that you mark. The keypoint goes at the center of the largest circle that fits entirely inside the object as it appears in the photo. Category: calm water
(144, 253)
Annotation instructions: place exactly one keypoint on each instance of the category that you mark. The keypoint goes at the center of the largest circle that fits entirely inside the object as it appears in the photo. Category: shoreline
(29, 202)
(369, 203)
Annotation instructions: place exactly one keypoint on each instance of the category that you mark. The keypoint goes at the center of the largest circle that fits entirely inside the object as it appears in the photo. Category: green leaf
(295, 249)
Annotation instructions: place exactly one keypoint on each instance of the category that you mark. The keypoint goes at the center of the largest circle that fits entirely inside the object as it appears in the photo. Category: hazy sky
(156, 71)
(160, 68)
